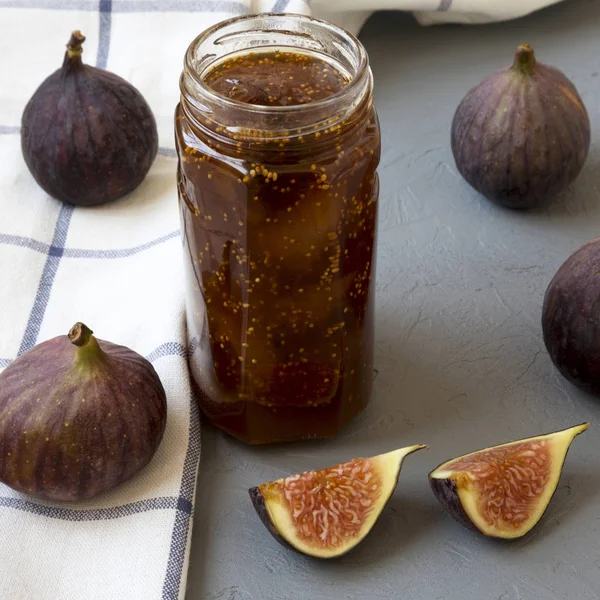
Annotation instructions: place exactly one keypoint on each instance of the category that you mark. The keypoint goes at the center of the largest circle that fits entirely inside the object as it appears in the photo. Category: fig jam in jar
(278, 144)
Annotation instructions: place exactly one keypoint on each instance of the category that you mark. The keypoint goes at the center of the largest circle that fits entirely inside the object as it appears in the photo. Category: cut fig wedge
(326, 513)
(503, 491)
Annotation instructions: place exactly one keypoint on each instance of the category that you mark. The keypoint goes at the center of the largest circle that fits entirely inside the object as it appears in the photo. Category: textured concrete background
(459, 352)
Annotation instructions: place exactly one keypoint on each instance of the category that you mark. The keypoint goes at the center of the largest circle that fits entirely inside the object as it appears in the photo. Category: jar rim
(354, 85)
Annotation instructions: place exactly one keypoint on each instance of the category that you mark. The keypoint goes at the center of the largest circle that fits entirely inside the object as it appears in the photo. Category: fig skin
(87, 135)
(275, 511)
(522, 135)
(260, 506)
(571, 318)
(78, 417)
(445, 490)
(455, 485)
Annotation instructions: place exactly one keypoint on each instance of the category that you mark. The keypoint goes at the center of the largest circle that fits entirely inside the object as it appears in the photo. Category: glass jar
(278, 212)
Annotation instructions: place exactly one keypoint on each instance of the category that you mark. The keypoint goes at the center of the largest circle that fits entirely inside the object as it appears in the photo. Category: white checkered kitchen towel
(118, 269)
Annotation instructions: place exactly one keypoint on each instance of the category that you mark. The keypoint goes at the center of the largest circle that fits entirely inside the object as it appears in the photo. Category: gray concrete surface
(459, 352)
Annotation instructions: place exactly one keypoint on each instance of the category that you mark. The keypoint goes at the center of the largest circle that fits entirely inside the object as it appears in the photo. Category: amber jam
(276, 78)
(278, 147)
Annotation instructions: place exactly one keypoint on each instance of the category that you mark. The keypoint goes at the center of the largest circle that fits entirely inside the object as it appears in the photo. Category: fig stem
(88, 349)
(74, 44)
(80, 334)
(524, 61)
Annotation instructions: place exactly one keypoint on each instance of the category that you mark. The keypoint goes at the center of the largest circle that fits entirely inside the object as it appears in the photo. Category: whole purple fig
(571, 318)
(87, 135)
(522, 135)
(78, 416)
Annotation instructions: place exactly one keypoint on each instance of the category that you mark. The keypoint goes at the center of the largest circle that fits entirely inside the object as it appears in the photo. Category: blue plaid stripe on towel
(118, 268)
